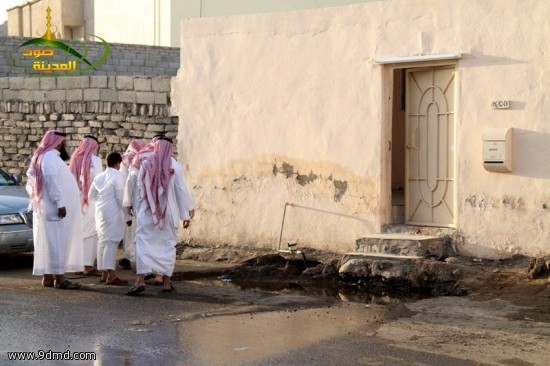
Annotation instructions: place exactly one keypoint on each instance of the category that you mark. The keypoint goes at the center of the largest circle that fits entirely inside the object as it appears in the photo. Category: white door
(430, 191)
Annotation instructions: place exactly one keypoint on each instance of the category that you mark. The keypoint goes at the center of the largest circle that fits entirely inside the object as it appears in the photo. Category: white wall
(503, 213)
(150, 22)
(302, 88)
(133, 21)
(125, 21)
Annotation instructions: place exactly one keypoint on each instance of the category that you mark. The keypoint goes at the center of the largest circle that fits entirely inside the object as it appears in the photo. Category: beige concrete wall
(134, 27)
(288, 107)
(276, 111)
(29, 19)
(210, 8)
(15, 21)
(148, 22)
(72, 12)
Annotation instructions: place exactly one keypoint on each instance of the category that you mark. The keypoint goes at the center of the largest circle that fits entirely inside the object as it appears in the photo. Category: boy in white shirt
(108, 189)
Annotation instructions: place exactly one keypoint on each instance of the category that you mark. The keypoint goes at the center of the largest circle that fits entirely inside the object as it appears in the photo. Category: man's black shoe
(125, 263)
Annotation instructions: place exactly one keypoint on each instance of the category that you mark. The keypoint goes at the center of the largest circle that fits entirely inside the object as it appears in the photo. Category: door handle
(413, 140)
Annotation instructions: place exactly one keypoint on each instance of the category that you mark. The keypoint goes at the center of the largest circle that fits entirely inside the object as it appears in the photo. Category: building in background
(417, 115)
(28, 19)
(147, 22)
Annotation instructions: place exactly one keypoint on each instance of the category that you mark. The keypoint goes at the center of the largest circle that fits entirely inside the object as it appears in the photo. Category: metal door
(430, 191)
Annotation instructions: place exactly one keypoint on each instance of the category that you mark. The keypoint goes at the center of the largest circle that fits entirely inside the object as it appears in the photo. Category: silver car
(15, 219)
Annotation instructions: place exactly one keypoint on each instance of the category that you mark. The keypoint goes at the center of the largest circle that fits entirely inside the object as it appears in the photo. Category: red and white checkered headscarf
(134, 147)
(156, 173)
(50, 141)
(81, 164)
(144, 153)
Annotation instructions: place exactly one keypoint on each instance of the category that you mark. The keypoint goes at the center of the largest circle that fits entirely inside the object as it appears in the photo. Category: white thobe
(131, 198)
(123, 172)
(88, 217)
(107, 189)
(156, 248)
(58, 244)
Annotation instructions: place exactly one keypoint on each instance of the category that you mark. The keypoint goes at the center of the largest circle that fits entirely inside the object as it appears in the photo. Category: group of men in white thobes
(140, 197)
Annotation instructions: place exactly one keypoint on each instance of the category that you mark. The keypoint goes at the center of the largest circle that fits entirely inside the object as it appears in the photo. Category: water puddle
(240, 339)
(345, 293)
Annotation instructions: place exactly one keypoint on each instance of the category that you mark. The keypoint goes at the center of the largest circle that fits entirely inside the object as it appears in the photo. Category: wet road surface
(199, 324)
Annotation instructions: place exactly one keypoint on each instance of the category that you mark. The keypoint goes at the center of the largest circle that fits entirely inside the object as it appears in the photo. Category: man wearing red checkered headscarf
(85, 165)
(127, 174)
(55, 200)
(164, 201)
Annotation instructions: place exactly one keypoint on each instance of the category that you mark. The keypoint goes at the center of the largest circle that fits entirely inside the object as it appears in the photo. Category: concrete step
(388, 266)
(402, 245)
(401, 273)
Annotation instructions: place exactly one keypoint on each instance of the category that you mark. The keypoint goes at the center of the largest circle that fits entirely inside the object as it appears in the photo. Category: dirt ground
(508, 280)
(482, 279)
(504, 320)
(501, 318)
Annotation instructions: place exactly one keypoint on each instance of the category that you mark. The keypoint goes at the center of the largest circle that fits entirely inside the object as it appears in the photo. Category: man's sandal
(135, 290)
(66, 285)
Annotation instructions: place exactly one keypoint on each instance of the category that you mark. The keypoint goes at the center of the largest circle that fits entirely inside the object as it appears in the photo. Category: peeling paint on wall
(480, 203)
(288, 170)
(305, 179)
(242, 203)
(513, 202)
(340, 187)
(487, 214)
(491, 203)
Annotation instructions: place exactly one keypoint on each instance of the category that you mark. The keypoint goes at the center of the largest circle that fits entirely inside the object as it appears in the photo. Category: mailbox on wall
(497, 149)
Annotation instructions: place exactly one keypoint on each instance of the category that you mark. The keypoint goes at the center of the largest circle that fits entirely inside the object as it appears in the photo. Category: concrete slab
(402, 244)
(377, 255)
(402, 236)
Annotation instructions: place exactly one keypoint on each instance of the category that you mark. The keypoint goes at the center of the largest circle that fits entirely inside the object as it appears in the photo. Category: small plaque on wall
(500, 104)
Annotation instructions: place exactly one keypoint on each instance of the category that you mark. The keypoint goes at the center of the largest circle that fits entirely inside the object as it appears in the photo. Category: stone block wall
(116, 109)
(124, 59)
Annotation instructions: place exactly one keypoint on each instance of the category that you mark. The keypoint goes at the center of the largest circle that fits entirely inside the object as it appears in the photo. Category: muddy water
(237, 339)
(343, 293)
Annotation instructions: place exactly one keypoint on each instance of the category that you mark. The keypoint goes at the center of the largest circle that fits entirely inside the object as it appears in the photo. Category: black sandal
(66, 285)
(135, 290)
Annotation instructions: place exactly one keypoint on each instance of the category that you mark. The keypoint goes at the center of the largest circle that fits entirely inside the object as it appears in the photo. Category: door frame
(387, 73)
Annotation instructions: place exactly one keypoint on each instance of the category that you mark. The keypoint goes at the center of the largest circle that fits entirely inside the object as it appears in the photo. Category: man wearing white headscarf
(55, 201)
(128, 174)
(131, 202)
(164, 201)
(85, 165)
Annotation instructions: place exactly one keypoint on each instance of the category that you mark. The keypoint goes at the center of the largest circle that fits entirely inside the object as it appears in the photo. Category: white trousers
(106, 255)
(90, 250)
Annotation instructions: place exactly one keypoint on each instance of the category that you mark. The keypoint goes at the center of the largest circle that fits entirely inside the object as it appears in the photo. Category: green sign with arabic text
(46, 56)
